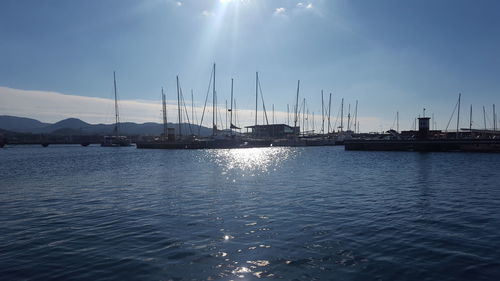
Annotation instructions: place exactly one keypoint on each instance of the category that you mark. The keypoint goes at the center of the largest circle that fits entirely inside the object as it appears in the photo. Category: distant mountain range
(74, 126)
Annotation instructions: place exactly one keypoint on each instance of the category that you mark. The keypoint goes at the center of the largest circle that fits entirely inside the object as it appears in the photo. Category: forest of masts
(297, 115)
(225, 119)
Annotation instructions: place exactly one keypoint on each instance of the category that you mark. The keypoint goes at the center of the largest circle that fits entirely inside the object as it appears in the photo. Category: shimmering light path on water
(318, 213)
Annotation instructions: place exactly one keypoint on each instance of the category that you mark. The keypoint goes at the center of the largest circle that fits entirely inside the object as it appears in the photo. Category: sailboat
(115, 140)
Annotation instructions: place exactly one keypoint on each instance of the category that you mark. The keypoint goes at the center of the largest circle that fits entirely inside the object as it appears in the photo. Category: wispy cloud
(305, 6)
(280, 11)
(207, 13)
(49, 106)
(52, 107)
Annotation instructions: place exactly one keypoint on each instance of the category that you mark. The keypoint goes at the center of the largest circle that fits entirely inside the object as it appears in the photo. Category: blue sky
(390, 55)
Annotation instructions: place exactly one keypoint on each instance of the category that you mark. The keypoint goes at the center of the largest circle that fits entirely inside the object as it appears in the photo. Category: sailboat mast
(179, 108)
(342, 116)
(470, 120)
(214, 108)
(349, 118)
(235, 115)
(356, 116)
(296, 106)
(484, 118)
(458, 115)
(494, 119)
(231, 110)
(192, 107)
(273, 113)
(322, 114)
(313, 122)
(116, 105)
(304, 116)
(329, 110)
(164, 105)
(397, 122)
(256, 95)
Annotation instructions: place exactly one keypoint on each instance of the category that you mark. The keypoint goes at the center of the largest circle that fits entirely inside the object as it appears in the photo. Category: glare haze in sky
(389, 55)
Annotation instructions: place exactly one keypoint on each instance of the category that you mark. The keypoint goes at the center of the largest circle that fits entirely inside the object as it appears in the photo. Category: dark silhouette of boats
(425, 140)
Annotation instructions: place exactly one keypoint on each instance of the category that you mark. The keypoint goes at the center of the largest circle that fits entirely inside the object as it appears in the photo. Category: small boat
(114, 141)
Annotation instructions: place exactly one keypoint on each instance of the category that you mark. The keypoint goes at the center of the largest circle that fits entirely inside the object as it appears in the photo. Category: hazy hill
(20, 124)
(74, 126)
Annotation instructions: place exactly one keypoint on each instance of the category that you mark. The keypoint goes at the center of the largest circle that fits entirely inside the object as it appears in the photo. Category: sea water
(311, 213)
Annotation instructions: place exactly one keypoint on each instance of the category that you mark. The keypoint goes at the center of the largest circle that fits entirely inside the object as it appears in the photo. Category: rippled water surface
(318, 213)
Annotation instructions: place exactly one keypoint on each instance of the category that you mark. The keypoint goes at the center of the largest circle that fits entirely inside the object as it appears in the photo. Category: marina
(248, 140)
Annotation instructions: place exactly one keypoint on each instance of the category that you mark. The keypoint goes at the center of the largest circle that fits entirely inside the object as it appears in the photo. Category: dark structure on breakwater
(426, 142)
(273, 131)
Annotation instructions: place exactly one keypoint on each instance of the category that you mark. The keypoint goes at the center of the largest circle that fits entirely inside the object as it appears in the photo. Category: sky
(57, 58)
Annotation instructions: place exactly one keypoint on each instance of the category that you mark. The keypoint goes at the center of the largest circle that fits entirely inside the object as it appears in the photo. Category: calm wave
(317, 213)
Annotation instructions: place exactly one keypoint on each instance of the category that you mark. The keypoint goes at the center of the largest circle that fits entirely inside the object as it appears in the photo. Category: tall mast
(397, 121)
(179, 107)
(329, 110)
(356, 116)
(231, 110)
(226, 114)
(494, 119)
(256, 95)
(214, 108)
(484, 118)
(349, 118)
(192, 107)
(322, 114)
(235, 115)
(470, 120)
(296, 106)
(273, 113)
(164, 105)
(304, 116)
(342, 116)
(313, 122)
(458, 115)
(116, 105)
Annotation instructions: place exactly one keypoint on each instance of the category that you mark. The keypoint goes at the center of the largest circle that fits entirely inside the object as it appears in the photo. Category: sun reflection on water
(252, 160)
